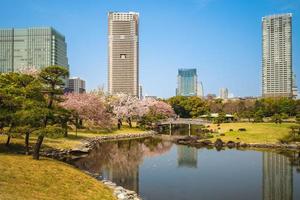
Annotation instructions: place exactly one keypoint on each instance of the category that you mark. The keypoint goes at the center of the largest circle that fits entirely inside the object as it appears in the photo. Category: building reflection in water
(129, 180)
(119, 161)
(277, 177)
(187, 156)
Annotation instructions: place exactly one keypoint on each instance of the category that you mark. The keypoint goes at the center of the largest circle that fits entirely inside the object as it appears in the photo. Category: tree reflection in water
(119, 161)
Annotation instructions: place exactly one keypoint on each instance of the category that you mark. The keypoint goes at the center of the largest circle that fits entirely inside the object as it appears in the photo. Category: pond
(162, 170)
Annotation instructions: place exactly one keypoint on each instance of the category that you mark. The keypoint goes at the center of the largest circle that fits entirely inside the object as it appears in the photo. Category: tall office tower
(277, 177)
(200, 90)
(187, 82)
(277, 56)
(224, 93)
(141, 92)
(295, 88)
(76, 85)
(123, 53)
(31, 47)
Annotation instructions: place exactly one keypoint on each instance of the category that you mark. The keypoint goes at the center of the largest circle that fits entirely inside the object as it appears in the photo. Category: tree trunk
(27, 143)
(119, 123)
(66, 131)
(65, 128)
(8, 140)
(77, 124)
(36, 152)
(129, 122)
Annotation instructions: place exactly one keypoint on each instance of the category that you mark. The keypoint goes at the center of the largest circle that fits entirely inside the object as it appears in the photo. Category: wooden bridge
(186, 121)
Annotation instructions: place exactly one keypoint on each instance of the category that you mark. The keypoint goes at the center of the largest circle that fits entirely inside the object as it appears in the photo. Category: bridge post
(189, 129)
(170, 127)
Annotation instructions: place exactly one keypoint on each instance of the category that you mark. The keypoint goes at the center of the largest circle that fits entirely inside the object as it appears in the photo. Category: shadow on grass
(12, 148)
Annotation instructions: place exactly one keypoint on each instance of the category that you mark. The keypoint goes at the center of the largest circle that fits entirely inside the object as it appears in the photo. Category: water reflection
(187, 156)
(141, 165)
(277, 177)
(119, 161)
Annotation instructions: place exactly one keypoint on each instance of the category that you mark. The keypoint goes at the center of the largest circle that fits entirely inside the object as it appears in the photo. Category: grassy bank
(64, 142)
(46, 179)
(255, 132)
(25, 178)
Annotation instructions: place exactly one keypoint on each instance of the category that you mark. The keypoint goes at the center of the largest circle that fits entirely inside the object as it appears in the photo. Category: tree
(89, 107)
(17, 92)
(52, 79)
(187, 107)
(124, 106)
(298, 118)
(258, 116)
(152, 110)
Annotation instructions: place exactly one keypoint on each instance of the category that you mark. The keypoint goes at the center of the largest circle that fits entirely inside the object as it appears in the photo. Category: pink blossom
(89, 107)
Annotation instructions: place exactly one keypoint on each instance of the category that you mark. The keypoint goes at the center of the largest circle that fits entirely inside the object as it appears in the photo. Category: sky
(220, 38)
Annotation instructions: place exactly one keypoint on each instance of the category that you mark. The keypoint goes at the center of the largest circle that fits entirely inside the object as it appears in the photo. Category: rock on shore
(120, 192)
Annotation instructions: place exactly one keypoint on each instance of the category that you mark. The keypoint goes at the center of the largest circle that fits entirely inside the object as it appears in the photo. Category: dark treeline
(251, 109)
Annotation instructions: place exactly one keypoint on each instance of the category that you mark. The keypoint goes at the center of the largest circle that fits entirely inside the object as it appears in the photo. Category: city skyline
(177, 50)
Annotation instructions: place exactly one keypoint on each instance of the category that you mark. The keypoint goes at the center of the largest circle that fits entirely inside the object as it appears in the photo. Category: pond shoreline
(69, 155)
(193, 141)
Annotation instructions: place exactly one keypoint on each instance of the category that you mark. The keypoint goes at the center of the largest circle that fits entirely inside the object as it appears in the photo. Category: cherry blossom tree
(124, 106)
(29, 70)
(89, 107)
(161, 108)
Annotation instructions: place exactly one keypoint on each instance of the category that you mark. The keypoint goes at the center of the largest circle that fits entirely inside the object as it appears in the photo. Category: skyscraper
(31, 47)
(141, 92)
(200, 90)
(187, 82)
(277, 56)
(295, 88)
(123, 53)
(76, 85)
(224, 93)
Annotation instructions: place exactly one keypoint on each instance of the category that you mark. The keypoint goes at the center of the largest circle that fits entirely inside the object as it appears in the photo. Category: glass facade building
(31, 47)
(187, 82)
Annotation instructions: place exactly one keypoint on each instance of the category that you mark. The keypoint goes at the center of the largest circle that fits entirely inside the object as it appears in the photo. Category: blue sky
(221, 38)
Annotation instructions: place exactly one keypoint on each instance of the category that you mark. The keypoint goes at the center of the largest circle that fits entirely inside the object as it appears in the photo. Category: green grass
(24, 178)
(255, 132)
(64, 143)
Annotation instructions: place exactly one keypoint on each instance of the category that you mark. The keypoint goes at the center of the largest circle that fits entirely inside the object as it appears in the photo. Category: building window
(122, 56)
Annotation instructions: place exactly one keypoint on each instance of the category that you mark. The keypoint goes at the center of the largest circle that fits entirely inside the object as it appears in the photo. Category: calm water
(160, 170)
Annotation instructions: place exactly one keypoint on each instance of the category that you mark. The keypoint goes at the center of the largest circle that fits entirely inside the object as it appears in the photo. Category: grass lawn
(255, 132)
(65, 143)
(24, 178)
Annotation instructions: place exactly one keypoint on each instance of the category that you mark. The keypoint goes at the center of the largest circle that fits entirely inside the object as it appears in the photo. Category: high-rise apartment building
(295, 88)
(31, 47)
(123, 53)
(277, 56)
(76, 85)
(187, 82)
(223, 93)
